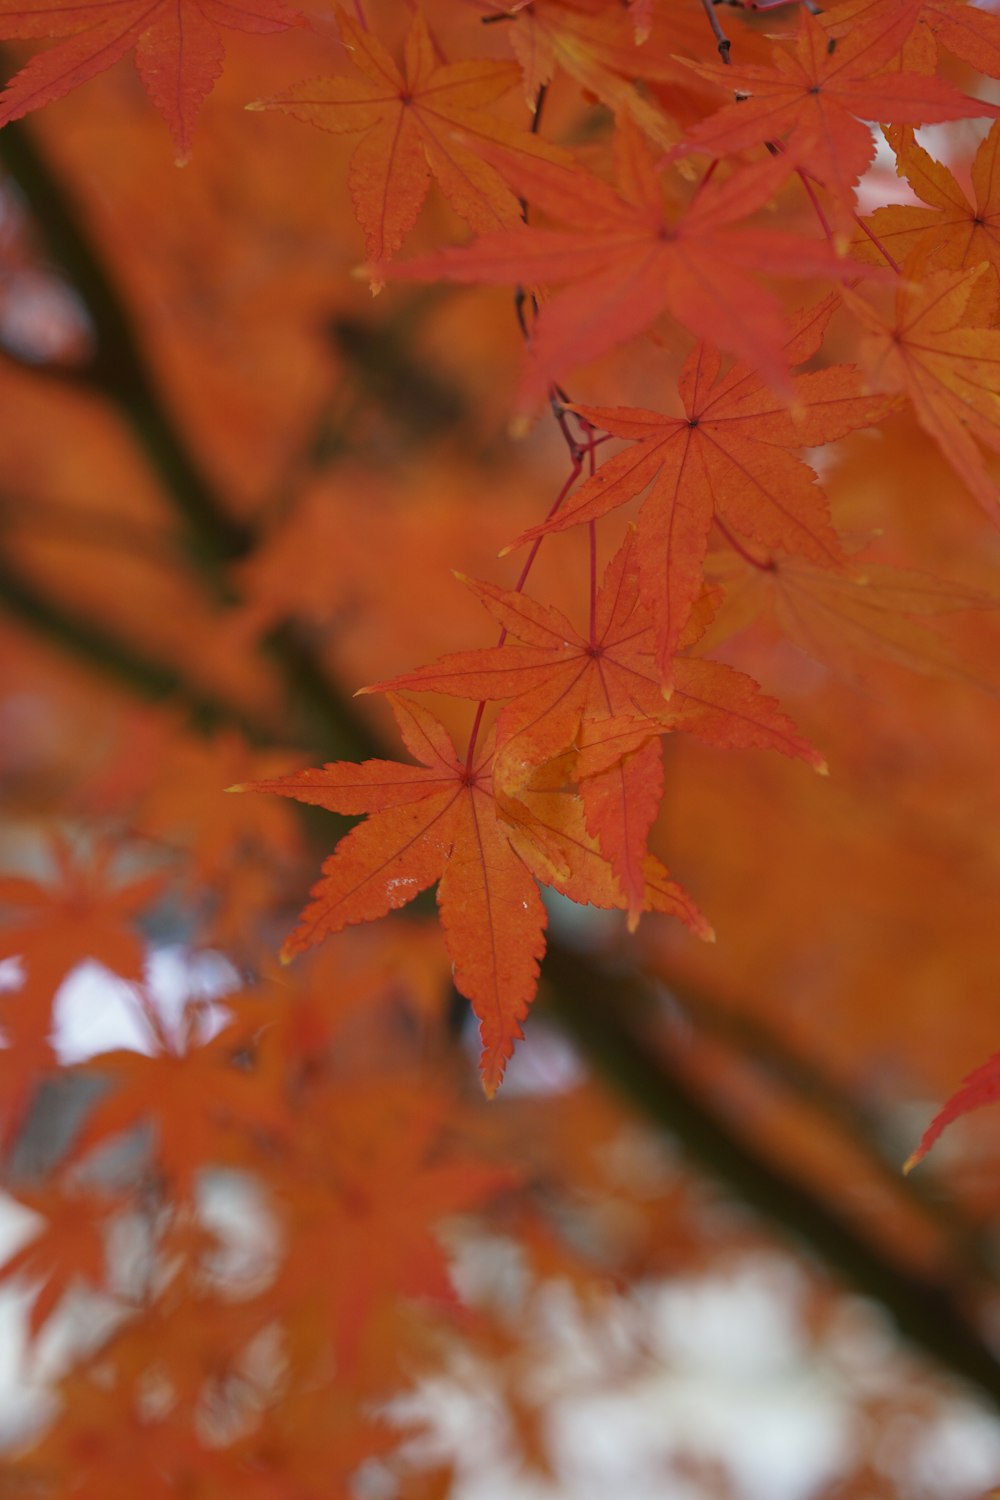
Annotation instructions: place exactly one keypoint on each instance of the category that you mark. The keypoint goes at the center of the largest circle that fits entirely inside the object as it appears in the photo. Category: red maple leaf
(817, 99)
(941, 348)
(423, 120)
(432, 822)
(969, 31)
(81, 914)
(67, 1248)
(627, 258)
(388, 1175)
(177, 44)
(955, 228)
(727, 458)
(981, 1087)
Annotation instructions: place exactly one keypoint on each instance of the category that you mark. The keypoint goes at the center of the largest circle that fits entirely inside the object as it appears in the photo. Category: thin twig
(722, 42)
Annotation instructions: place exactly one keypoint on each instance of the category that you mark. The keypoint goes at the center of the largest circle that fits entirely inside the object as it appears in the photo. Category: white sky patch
(95, 1011)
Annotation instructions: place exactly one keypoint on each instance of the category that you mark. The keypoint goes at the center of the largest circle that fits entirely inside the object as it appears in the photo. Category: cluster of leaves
(717, 348)
(568, 787)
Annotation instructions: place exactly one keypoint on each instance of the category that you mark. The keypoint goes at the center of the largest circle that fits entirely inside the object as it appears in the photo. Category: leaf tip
(912, 1160)
(370, 273)
(256, 106)
(493, 1065)
(239, 787)
(821, 767)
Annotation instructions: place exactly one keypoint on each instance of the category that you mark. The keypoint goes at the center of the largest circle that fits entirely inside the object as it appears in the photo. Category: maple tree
(688, 370)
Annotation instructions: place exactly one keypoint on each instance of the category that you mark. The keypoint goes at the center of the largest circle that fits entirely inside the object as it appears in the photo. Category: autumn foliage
(557, 438)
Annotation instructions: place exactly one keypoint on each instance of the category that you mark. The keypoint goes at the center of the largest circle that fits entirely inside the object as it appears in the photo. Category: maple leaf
(414, 123)
(382, 1153)
(628, 260)
(981, 1087)
(843, 619)
(183, 806)
(427, 823)
(67, 1247)
(727, 458)
(942, 349)
(177, 45)
(204, 1102)
(563, 684)
(952, 230)
(82, 914)
(555, 828)
(969, 31)
(817, 100)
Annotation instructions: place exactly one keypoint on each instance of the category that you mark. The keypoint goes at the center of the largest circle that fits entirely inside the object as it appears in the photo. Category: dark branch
(599, 1012)
(120, 368)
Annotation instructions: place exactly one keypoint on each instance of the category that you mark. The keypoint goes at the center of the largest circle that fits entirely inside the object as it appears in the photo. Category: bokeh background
(262, 1232)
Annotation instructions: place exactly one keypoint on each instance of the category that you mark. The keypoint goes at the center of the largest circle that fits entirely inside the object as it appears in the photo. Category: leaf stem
(894, 264)
(576, 456)
(592, 539)
(817, 206)
(536, 113)
(722, 42)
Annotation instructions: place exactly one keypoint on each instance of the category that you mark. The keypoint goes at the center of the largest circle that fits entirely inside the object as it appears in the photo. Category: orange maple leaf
(414, 123)
(205, 1102)
(627, 259)
(432, 822)
(68, 1247)
(969, 31)
(818, 98)
(381, 1153)
(81, 914)
(177, 44)
(868, 610)
(942, 349)
(953, 230)
(726, 458)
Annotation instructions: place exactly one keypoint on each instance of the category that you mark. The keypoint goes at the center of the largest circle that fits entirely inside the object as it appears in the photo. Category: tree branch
(121, 372)
(599, 1013)
(120, 368)
(90, 643)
